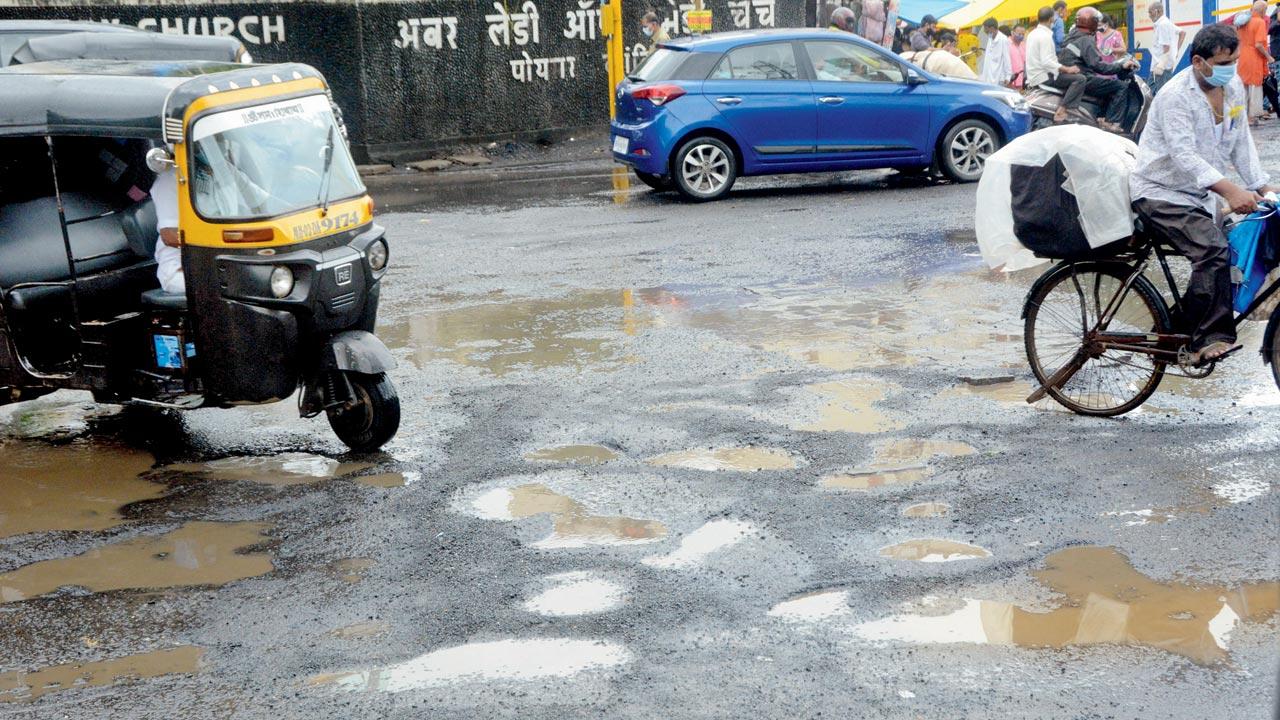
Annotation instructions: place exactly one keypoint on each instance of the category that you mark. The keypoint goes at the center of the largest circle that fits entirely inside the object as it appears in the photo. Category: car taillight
(658, 94)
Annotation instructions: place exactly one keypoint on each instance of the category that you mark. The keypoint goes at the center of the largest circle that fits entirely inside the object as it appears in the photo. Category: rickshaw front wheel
(373, 416)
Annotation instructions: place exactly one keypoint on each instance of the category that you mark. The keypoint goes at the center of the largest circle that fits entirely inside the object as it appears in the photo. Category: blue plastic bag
(1248, 261)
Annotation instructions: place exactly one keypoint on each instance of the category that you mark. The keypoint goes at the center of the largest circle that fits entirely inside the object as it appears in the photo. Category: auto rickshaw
(281, 258)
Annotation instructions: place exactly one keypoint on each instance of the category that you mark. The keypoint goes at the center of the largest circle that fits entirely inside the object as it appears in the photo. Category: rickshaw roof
(117, 98)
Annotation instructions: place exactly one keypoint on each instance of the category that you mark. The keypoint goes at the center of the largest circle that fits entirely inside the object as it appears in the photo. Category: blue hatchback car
(701, 112)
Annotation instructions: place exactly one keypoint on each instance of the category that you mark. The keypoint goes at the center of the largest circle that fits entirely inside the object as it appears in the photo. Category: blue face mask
(1221, 75)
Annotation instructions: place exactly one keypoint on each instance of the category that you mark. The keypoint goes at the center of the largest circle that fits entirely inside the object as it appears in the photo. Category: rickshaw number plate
(342, 274)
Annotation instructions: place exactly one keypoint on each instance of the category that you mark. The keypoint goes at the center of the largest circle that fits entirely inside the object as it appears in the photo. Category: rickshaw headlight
(377, 254)
(281, 281)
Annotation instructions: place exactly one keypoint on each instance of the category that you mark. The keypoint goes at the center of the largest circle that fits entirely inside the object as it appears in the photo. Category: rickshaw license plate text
(324, 226)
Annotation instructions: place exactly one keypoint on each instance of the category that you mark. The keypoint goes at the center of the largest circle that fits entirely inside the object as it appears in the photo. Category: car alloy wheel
(966, 149)
(706, 169)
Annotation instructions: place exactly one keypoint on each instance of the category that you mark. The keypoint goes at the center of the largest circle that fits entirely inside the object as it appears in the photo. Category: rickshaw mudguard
(356, 351)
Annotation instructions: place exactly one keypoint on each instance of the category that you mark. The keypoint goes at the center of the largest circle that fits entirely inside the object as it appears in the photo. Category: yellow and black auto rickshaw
(275, 242)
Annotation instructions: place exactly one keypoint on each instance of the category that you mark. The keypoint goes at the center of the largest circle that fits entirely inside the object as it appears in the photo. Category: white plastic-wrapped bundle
(1060, 192)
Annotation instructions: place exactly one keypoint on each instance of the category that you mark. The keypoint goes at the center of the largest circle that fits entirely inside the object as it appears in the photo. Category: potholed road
(767, 457)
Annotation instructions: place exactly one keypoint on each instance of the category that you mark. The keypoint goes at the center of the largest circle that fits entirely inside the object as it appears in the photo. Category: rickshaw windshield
(270, 160)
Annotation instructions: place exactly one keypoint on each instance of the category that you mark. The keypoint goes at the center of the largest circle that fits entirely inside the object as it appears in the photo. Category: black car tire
(964, 149)
(704, 169)
(375, 417)
(660, 183)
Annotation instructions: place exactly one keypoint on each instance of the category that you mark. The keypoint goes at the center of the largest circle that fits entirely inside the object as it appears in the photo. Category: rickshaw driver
(164, 195)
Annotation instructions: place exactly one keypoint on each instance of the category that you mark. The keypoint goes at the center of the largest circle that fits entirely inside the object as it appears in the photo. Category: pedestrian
(872, 23)
(927, 30)
(1059, 24)
(1255, 58)
(844, 20)
(1081, 50)
(1043, 67)
(1111, 44)
(939, 61)
(996, 68)
(890, 24)
(968, 48)
(1196, 132)
(651, 26)
(1166, 46)
(1018, 56)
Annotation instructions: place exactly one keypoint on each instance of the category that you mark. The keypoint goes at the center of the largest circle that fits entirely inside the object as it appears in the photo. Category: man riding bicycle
(1197, 127)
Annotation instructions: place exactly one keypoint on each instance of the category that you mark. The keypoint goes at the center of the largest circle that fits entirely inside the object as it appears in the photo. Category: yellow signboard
(699, 21)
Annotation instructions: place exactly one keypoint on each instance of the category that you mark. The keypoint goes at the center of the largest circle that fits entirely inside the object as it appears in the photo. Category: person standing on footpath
(1255, 58)
(1059, 24)
(1165, 48)
(652, 28)
(996, 66)
(1018, 57)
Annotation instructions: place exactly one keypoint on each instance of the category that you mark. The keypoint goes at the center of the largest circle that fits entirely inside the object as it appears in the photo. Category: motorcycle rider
(1081, 50)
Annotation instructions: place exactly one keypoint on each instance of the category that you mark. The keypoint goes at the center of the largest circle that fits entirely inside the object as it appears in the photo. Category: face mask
(1221, 75)
(1017, 39)
(648, 31)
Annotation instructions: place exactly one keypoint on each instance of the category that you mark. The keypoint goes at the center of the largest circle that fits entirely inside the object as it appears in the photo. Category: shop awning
(1003, 10)
(913, 10)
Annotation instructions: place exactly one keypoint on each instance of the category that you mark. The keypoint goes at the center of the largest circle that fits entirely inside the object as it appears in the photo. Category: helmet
(1087, 19)
(844, 19)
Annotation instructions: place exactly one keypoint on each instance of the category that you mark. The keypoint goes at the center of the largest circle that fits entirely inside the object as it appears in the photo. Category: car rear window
(665, 64)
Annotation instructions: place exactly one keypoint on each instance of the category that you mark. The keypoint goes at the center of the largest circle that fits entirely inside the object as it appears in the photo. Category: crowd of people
(1082, 58)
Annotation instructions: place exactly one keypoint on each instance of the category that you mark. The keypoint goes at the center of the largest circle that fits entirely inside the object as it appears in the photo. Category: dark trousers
(1206, 304)
(1111, 93)
(1072, 87)
(1157, 81)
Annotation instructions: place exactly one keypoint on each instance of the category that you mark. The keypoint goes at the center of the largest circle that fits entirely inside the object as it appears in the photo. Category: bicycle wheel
(1060, 313)
(1275, 351)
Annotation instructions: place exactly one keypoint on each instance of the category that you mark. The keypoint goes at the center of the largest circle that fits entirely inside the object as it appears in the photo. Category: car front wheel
(704, 169)
(965, 148)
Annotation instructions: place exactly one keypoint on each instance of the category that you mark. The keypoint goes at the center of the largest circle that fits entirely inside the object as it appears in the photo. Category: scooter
(1044, 100)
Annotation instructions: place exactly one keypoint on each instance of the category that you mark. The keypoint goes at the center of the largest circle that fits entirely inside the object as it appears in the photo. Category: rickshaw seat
(139, 224)
(161, 300)
(31, 246)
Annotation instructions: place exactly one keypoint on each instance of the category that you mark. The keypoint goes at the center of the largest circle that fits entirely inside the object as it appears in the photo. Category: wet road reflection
(573, 525)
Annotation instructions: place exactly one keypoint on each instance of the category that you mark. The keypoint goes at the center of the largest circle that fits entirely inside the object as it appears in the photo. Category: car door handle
(728, 100)
(831, 100)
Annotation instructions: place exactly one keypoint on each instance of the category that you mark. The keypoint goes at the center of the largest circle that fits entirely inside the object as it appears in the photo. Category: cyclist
(1197, 128)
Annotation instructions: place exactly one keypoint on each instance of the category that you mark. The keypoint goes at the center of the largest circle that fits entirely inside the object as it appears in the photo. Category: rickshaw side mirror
(159, 160)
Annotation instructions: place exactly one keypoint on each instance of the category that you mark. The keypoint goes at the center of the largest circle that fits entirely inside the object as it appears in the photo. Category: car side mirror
(159, 160)
(915, 78)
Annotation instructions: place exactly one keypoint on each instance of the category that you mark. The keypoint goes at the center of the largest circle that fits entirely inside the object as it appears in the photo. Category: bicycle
(1100, 336)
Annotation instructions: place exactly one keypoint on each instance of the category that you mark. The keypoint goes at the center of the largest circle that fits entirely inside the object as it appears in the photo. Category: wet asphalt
(657, 460)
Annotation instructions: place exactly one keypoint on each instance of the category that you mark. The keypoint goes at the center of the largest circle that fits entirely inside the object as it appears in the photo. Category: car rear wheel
(965, 148)
(704, 169)
(657, 182)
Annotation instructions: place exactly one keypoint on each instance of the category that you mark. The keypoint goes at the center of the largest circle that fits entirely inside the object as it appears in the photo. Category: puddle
(573, 525)
(1145, 516)
(283, 469)
(502, 660)
(748, 459)
(361, 630)
(351, 570)
(20, 686)
(198, 553)
(387, 480)
(78, 486)
(897, 463)
(812, 606)
(575, 454)
(1241, 489)
(927, 510)
(59, 416)
(576, 593)
(1008, 393)
(698, 545)
(850, 407)
(531, 334)
(932, 550)
(1106, 601)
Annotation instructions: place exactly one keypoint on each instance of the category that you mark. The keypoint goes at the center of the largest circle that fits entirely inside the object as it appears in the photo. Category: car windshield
(269, 160)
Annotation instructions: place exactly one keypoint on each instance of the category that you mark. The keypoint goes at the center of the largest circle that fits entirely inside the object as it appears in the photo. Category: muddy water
(574, 454)
(361, 630)
(898, 463)
(283, 469)
(748, 459)
(198, 553)
(573, 524)
(78, 486)
(927, 510)
(523, 333)
(1105, 601)
(25, 686)
(932, 550)
(851, 407)
(351, 570)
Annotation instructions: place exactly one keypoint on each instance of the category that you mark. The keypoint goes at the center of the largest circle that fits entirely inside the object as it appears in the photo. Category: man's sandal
(1211, 353)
